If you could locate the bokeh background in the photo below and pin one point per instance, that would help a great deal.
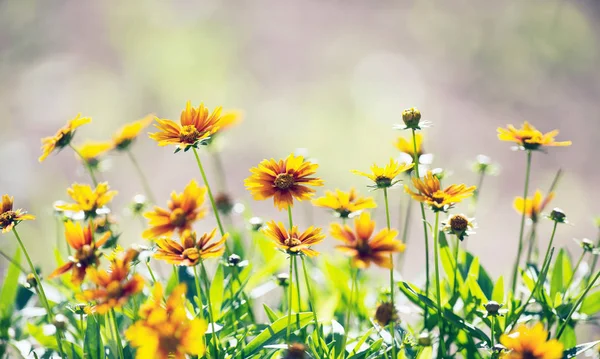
(331, 77)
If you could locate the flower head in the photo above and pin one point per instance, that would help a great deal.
(384, 176)
(182, 210)
(532, 207)
(294, 242)
(365, 247)
(113, 288)
(166, 331)
(9, 217)
(406, 145)
(195, 126)
(86, 254)
(87, 199)
(429, 191)
(125, 135)
(192, 249)
(344, 204)
(90, 151)
(459, 225)
(229, 119)
(386, 313)
(529, 138)
(63, 136)
(531, 343)
(283, 180)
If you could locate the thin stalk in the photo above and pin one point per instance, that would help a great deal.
(42, 293)
(438, 286)
(568, 286)
(210, 310)
(290, 279)
(391, 325)
(405, 226)
(477, 193)
(142, 176)
(521, 230)
(297, 291)
(424, 220)
(577, 303)
(86, 165)
(290, 217)
(8, 258)
(595, 260)
(493, 320)
(82, 330)
(454, 285)
(354, 274)
(151, 272)
(531, 241)
(117, 335)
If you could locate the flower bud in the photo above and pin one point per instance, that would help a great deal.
(424, 339)
(31, 281)
(234, 260)
(79, 308)
(493, 308)
(557, 215)
(587, 245)
(60, 322)
(256, 223)
(411, 118)
(283, 279)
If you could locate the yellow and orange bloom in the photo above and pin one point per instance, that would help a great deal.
(384, 176)
(63, 136)
(532, 207)
(113, 288)
(294, 242)
(87, 199)
(125, 135)
(345, 204)
(229, 119)
(182, 211)
(91, 151)
(86, 255)
(531, 343)
(406, 145)
(9, 218)
(429, 191)
(283, 180)
(529, 138)
(363, 246)
(192, 249)
(166, 331)
(195, 125)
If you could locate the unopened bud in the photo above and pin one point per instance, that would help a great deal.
(493, 308)
(411, 117)
(31, 281)
(424, 339)
(557, 215)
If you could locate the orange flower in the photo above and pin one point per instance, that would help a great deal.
(166, 331)
(384, 176)
(283, 180)
(196, 125)
(363, 246)
(532, 206)
(113, 288)
(87, 199)
(191, 250)
(531, 343)
(125, 135)
(86, 251)
(9, 217)
(293, 242)
(183, 209)
(431, 193)
(63, 137)
(344, 203)
(529, 138)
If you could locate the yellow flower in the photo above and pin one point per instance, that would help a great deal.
(191, 250)
(195, 125)
(283, 180)
(91, 150)
(429, 191)
(63, 137)
(294, 242)
(532, 206)
(166, 331)
(363, 246)
(528, 137)
(406, 145)
(183, 209)
(87, 199)
(125, 135)
(384, 176)
(9, 217)
(531, 343)
(230, 119)
(344, 203)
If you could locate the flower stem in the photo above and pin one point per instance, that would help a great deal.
(297, 291)
(520, 248)
(577, 303)
(151, 272)
(86, 164)
(424, 220)
(354, 274)
(210, 310)
(594, 261)
(456, 249)
(117, 335)
(405, 226)
(392, 323)
(493, 320)
(143, 178)
(42, 293)
(568, 286)
(438, 286)
(290, 281)
(531, 243)
(290, 217)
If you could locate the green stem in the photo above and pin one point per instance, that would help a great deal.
(297, 291)
(531, 243)
(210, 310)
(143, 178)
(405, 226)
(117, 335)
(8, 258)
(521, 230)
(290, 217)
(454, 285)
(568, 286)
(493, 319)
(354, 274)
(392, 323)
(86, 164)
(82, 330)
(438, 286)
(577, 303)
(42, 293)
(595, 260)
(290, 281)
(151, 272)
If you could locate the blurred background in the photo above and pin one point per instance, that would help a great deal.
(331, 77)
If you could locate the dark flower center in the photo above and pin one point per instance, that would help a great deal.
(292, 242)
(459, 223)
(385, 313)
(85, 256)
(189, 134)
(438, 197)
(383, 181)
(114, 290)
(191, 254)
(64, 138)
(295, 351)
(178, 218)
(7, 218)
(169, 344)
(363, 248)
(284, 181)
(529, 355)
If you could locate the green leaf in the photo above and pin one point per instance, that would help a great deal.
(447, 257)
(94, 349)
(276, 331)
(556, 283)
(217, 291)
(498, 292)
(591, 304)
(338, 331)
(426, 353)
(270, 313)
(10, 286)
(576, 350)
(568, 337)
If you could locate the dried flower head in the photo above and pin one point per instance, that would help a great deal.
(529, 138)
(10, 217)
(63, 136)
(224, 203)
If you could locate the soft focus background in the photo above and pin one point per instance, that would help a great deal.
(328, 76)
